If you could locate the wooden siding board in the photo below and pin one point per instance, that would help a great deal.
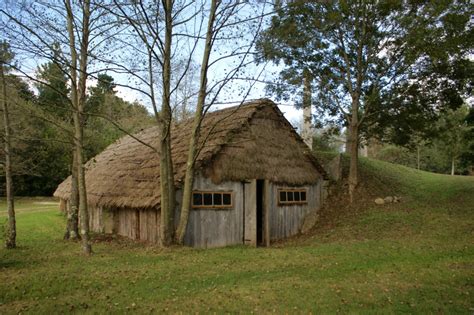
(267, 210)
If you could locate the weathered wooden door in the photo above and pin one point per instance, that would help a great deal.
(250, 213)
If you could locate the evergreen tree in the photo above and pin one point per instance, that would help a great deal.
(53, 90)
(106, 111)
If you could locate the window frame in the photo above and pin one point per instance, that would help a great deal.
(213, 192)
(292, 202)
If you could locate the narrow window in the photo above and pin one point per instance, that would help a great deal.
(212, 200)
(292, 196)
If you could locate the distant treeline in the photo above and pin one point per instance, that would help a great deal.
(41, 145)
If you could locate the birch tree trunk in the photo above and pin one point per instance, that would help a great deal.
(10, 239)
(166, 163)
(193, 142)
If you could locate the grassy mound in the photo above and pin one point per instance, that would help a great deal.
(416, 256)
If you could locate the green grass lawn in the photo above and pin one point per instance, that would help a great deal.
(413, 257)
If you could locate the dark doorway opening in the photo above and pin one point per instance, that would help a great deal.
(260, 231)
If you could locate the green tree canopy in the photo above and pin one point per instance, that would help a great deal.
(359, 53)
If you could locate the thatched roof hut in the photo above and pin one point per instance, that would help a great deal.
(127, 173)
(251, 141)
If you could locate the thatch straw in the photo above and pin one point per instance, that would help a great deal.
(250, 141)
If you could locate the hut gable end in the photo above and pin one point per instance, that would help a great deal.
(267, 147)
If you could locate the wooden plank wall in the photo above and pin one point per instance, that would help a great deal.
(95, 219)
(214, 228)
(286, 221)
(149, 226)
(110, 221)
(137, 224)
(127, 221)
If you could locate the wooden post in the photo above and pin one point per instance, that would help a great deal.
(266, 210)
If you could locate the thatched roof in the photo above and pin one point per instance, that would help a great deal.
(253, 140)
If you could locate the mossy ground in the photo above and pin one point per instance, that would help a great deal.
(416, 256)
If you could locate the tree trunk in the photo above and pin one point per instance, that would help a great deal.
(347, 144)
(166, 162)
(78, 98)
(81, 180)
(354, 147)
(72, 226)
(354, 161)
(452, 166)
(306, 132)
(81, 175)
(189, 178)
(167, 189)
(10, 238)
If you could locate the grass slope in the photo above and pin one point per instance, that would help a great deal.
(413, 257)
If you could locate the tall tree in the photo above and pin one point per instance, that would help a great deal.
(355, 50)
(193, 142)
(83, 31)
(153, 23)
(79, 75)
(53, 97)
(6, 57)
(220, 16)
